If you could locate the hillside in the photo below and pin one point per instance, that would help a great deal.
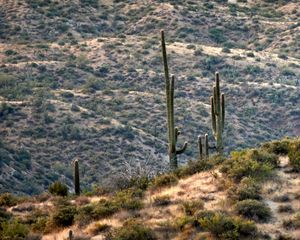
(84, 79)
(254, 194)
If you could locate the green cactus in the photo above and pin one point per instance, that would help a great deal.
(76, 177)
(173, 131)
(203, 147)
(217, 102)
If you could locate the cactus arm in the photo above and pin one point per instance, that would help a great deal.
(206, 146)
(213, 115)
(223, 111)
(200, 147)
(181, 150)
(173, 132)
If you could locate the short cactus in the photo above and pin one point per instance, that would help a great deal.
(173, 131)
(217, 102)
(76, 178)
(203, 147)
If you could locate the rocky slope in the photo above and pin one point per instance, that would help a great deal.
(83, 79)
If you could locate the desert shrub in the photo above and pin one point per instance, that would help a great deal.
(242, 165)
(217, 35)
(292, 223)
(223, 226)
(99, 228)
(133, 230)
(247, 189)
(58, 188)
(104, 208)
(193, 167)
(4, 215)
(294, 155)
(277, 147)
(226, 50)
(191, 207)
(129, 199)
(161, 200)
(254, 210)
(285, 209)
(13, 230)
(250, 54)
(63, 216)
(7, 200)
(164, 180)
(264, 157)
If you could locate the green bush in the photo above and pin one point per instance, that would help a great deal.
(217, 35)
(133, 230)
(13, 231)
(63, 216)
(165, 180)
(7, 200)
(253, 209)
(193, 167)
(223, 226)
(249, 163)
(262, 156)
(162, 200)
(292, 223)
(191, 207)
(247, 189)
(294, 155)
(129, 199)
(104, 208)
(58, 188)
(277, 147)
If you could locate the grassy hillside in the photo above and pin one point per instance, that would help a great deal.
(84, 79)
(254, 194)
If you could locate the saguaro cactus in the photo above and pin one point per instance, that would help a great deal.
(217, 102)
(173, 131)
(203, 147)
(76, 177)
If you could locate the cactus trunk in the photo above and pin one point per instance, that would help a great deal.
(173, 131)
(203, 147)
(217, 102)
(76, 178)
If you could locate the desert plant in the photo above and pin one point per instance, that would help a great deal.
(247, 189)
(63, 216)
(58, 188)
(223, 226)
(13, 230)
(7, 200)
(292, 223)
(173, 131)
(76, 178)
(217, 102)
(242, 165)
(253, 209)
(162, 200)
(164, 180)
(294, 155)
(132, 230)
(191, 207)
(203, 147)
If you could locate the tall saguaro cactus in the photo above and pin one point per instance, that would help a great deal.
(173, 131)
(76, 177)
(217, 102)
(203, 147)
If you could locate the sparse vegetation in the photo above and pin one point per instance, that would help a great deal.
(254, 210)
